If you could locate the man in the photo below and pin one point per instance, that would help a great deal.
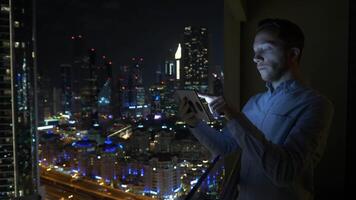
(281, 132)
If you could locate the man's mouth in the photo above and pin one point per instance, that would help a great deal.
(261, 67)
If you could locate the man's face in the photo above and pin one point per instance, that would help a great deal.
(270, 56)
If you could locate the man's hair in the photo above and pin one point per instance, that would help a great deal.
(287, 31)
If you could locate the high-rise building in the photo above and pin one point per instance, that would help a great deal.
(88, 77)
(163, 140)
(158, 97)
(131, 94)
(162, 178)
(139, 142)
(45, 97)
(159, 75)
(79, 72)
(108, 161)
(56, 95)
(178, 57)
(49, 147)
(105, 101)
(135, 82)
(66, 75)
(18, 132)
(105, 106)
(123, 89)
(195, 59)
(106, 92)
(171, 81)
(86, 156)
(140, 95)
(89, 91)
(170, 68)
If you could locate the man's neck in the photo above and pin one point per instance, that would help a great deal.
(289, 75)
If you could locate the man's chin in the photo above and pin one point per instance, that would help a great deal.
(264, 77)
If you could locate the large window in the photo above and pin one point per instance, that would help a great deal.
(107, 75)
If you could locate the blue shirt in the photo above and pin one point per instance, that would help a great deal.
(281, 134)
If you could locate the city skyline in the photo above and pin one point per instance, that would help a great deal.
(97, 123)
(122, 30)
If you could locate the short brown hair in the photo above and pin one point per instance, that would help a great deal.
(290, 33)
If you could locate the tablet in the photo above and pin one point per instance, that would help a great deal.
(199, 107)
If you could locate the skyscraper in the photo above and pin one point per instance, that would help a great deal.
(85, 154)
(66, 75)
(90, 91)
(195, 59)
(79, 72)
(18, 134)
(123, 90)
(135, 82)
(45, 97)
(131, 92)
(178, 57)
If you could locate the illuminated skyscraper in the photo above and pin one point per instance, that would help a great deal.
(178, 57)
(18, 132)
(123, 90)
(45, 97)
(105, 102)
(195, 59)
(158, 97)
(131, 91)
(135, 82)
(89, 91)
(79, 72)
(170, 69)
(66, 75)
(159, 76)
(162, 178)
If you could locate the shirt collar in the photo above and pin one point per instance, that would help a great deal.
(285, 86)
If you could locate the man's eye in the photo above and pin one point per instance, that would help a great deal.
(267, 48)
(261, 50)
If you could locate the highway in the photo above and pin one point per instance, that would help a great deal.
(62, 186)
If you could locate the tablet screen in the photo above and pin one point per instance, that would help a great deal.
(197, 105)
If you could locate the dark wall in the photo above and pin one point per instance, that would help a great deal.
(350, 137)
(324, 66)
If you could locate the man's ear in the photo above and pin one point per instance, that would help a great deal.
(294, 54)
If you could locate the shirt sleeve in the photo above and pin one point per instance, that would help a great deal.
(218, 143)
(283, 163)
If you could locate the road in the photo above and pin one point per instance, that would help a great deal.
(62, 185)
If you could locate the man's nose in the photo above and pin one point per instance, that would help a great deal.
(257, 58)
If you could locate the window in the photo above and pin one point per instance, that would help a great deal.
(16, 24)
(5, 8)
(114, 77)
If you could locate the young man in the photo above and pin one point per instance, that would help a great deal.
(281, 132)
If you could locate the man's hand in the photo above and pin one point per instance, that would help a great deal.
(218, 105)
(187, 114)
(208, 99)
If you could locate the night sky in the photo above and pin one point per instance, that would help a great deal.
(123, 29)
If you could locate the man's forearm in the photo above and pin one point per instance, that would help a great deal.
(218, 143)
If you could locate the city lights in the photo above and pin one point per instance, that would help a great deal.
(104, 130)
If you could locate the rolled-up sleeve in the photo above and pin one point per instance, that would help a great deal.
(304, 143)
(218, 143)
